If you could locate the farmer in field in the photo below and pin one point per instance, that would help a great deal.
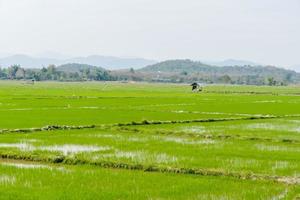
(196, 87)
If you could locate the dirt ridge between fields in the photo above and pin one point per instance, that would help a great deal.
(140, 123)
(151, 168)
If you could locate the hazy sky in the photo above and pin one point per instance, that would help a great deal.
(265, 31)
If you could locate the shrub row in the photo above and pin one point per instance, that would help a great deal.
(146, 122)
(161, 169)
(46, 128)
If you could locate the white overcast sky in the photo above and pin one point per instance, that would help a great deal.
(264, 31)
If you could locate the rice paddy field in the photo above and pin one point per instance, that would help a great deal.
(95, 140)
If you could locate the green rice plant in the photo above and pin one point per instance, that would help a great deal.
(148, 141)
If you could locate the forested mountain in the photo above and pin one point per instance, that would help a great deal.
(187, 70)
(178, 66)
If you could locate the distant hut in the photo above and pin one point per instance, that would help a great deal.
(196, 87)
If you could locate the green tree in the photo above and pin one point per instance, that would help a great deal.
(271, 81)
(20, 74)
(225, 79)
(12, 70)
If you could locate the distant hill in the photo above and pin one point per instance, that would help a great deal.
(110, 62)
(95, 60)
(76, 67)
(176, 66)
(191, 70)
(189, 66)
(27, 61)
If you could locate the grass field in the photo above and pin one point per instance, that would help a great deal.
(98, 140)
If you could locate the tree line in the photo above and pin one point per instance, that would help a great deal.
(81, 72)
(16, 72)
